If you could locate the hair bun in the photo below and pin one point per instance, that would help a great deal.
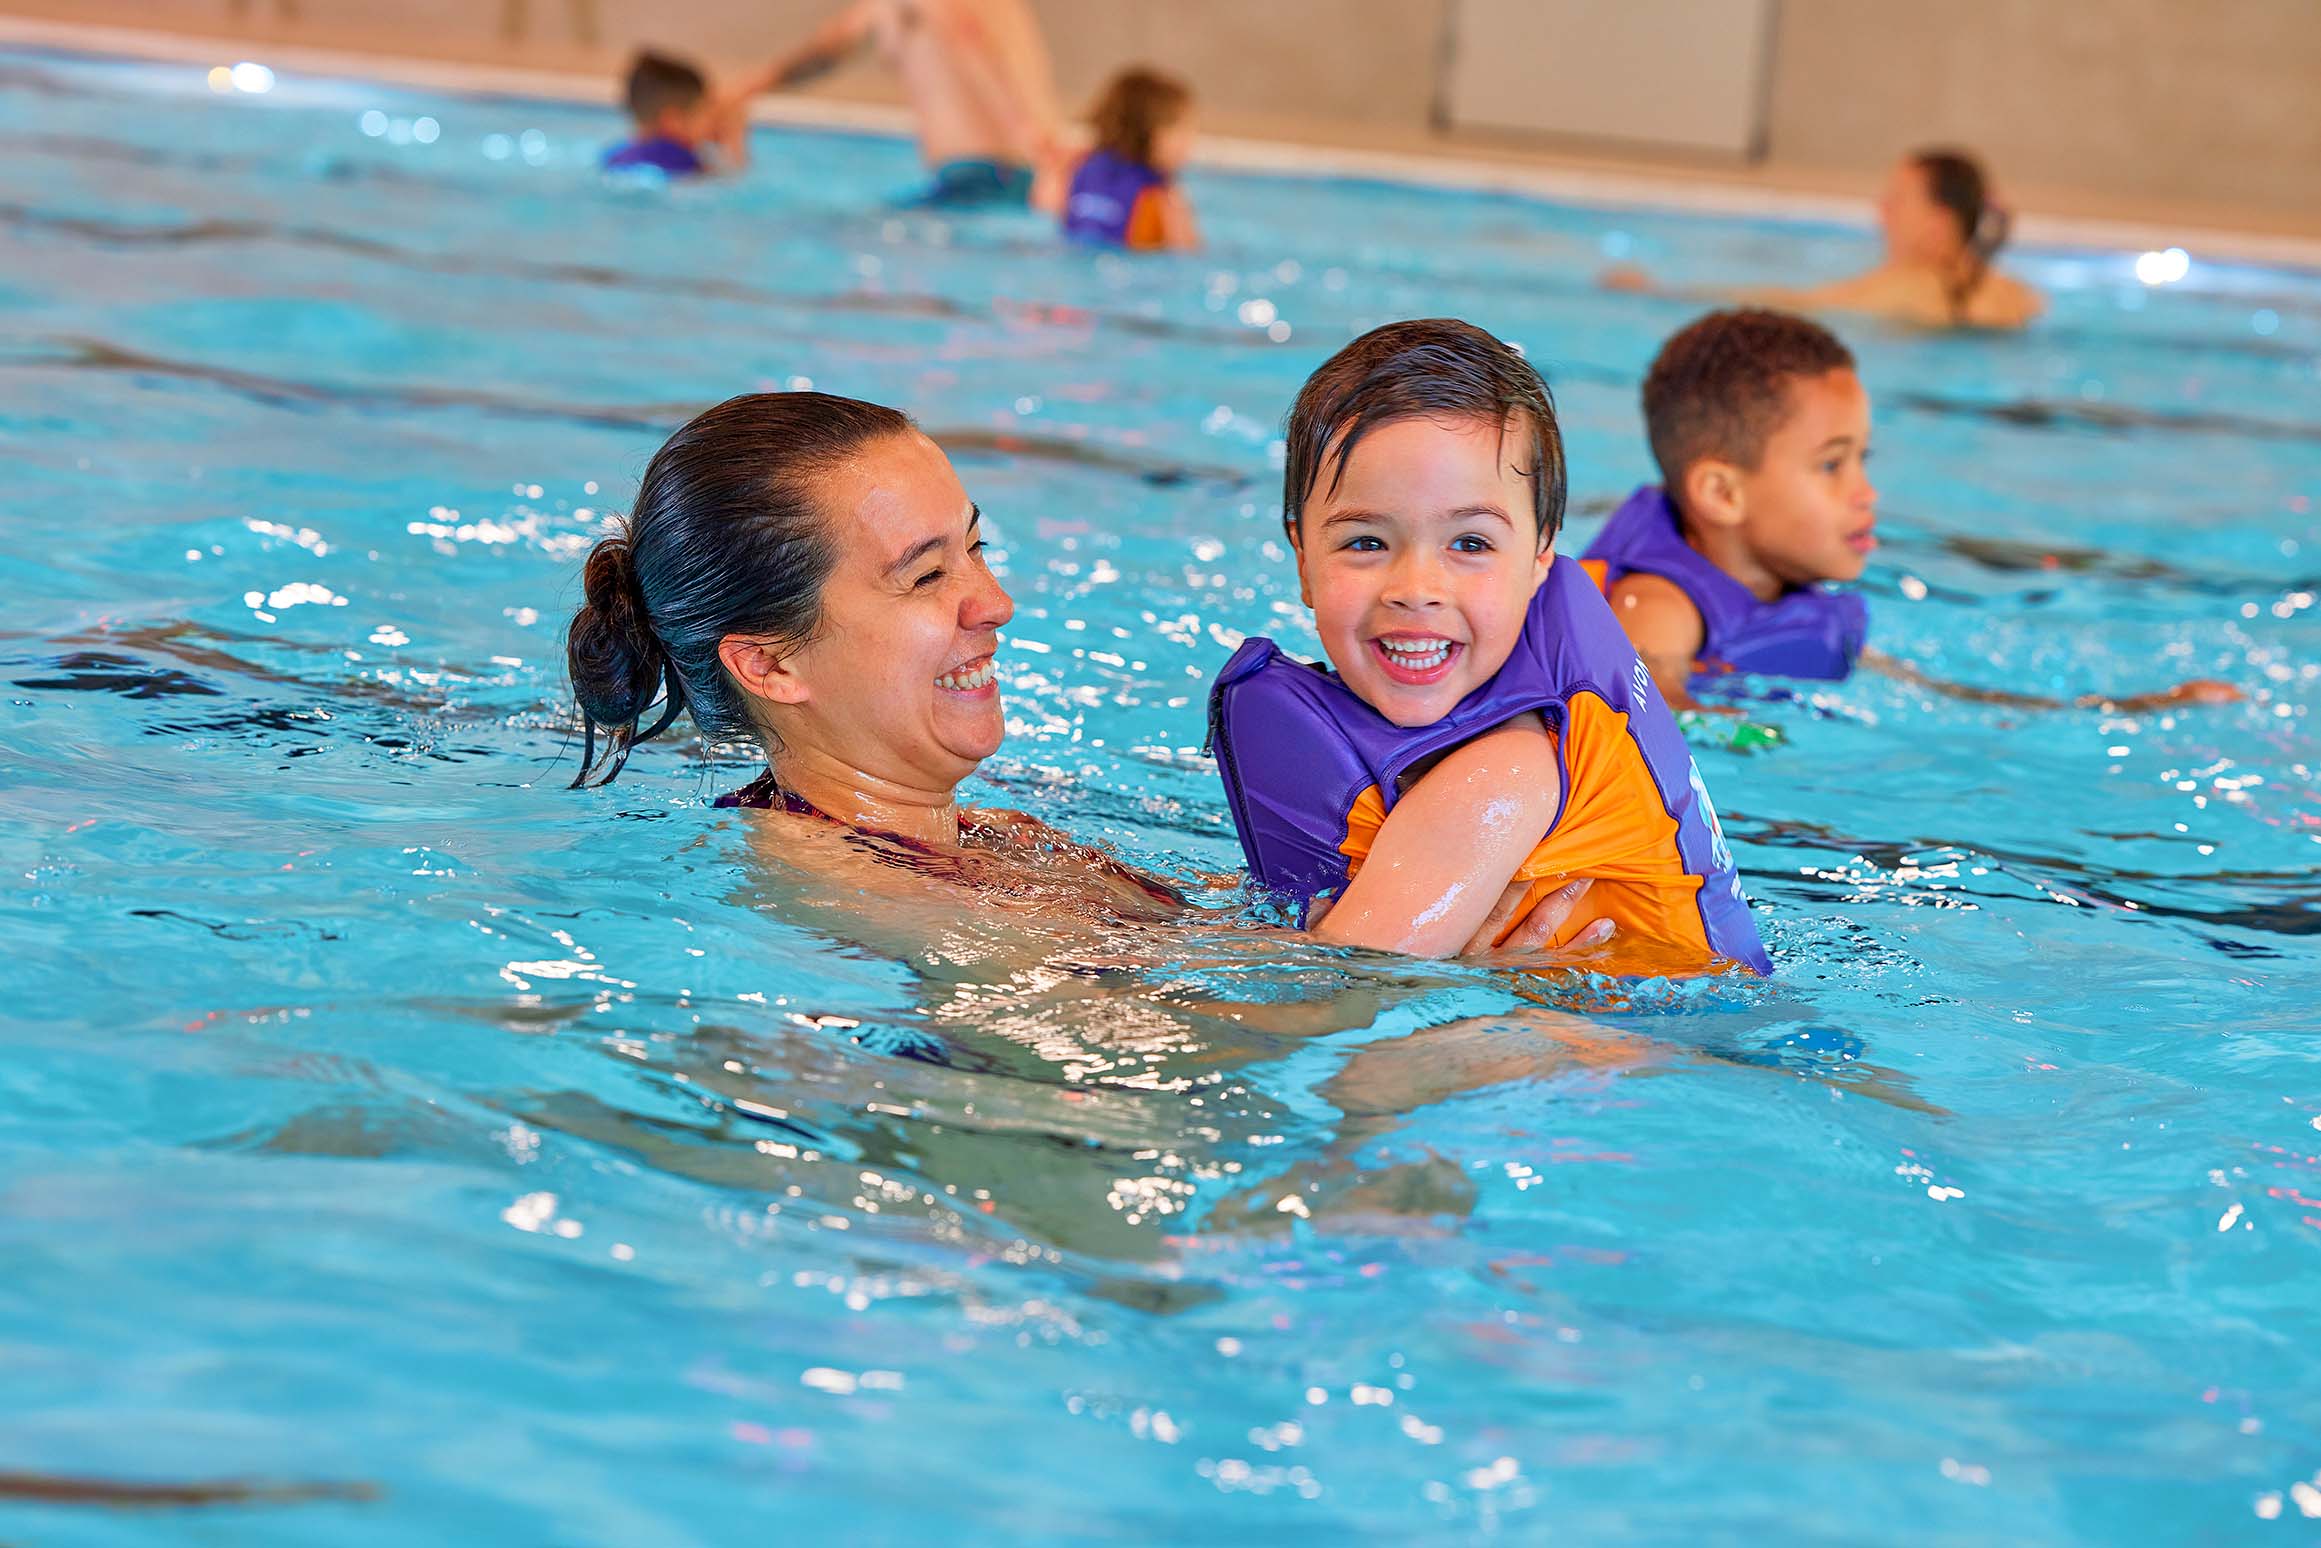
(618, 662)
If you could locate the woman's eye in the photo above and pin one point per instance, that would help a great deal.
(926, 580)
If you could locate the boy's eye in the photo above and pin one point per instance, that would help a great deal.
(1471, 543)
(1365, 545)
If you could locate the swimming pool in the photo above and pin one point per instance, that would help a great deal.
(539, 1167)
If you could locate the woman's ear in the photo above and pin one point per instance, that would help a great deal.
(1713, 494)
(761, 670)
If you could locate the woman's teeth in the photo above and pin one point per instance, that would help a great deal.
(968, 679)
(1417, 655)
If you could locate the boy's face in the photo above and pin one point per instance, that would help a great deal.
(1808, 510)
(1420, 564)
(687, 125)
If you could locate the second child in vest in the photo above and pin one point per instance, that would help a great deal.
(1761, 428)
(1486, 723)
(1124, 193)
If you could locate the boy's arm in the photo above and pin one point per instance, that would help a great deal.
(729, 127)
(2200, 690)
(1452, 843)
(824, 49)
(1666, 629)
(1178, 232)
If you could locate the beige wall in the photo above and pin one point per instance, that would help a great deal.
(2177, 99)
(2214, 102)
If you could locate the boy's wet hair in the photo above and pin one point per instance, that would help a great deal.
(1137, 105)
(658, 83)
(1720, 387)
(1433, 368)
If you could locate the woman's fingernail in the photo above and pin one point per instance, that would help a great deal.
(1574, 889)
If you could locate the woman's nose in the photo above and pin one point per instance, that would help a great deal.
(986, 605)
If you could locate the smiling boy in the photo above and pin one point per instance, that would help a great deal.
(1486, 721)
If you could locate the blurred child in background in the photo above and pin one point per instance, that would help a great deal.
(680, 128)
(1124, 193)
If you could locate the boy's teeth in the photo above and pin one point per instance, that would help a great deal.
(1419, 654)
(969, 680)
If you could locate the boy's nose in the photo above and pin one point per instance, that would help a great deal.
(1415, 582)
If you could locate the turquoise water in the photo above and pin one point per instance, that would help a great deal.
(500, 1164)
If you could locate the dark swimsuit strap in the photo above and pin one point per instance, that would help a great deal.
(764, 794)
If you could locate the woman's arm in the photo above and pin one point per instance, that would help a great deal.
(1451, 845)
(1885, 291)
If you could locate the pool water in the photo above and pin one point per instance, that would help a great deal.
(395, 1147)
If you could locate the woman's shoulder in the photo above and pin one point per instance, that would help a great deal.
(2003, 301)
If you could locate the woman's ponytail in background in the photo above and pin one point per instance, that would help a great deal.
(727, 537)
(1955, 181)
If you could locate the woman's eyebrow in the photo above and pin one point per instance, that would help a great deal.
(926, 546)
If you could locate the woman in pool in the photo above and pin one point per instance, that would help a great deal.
(1942, 229)
(805, 571)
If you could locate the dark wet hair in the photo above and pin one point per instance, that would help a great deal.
(1955, 181)
(727, 537)
(1432, 368)
(658, 83)
(1137, 105)
(1720, 386)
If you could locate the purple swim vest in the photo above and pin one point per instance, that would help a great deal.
(1103, 197)
(1297, 748)
(1812, 632)
(673, 157)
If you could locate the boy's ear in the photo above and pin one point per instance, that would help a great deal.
(761, 670)
(1713, 493)
(1297, 546)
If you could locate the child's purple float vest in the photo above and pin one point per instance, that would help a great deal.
(674, 158)
(1297, 749)
(1103, 197)
(1812, 632)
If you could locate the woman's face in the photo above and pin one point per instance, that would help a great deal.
(899, 681)
(1918, 230)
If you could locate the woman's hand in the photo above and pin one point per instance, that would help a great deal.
(1626, 277)
(1537, 927)
(1531, 936)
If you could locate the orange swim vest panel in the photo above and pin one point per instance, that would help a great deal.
(1613, 828)
(1145, 232)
